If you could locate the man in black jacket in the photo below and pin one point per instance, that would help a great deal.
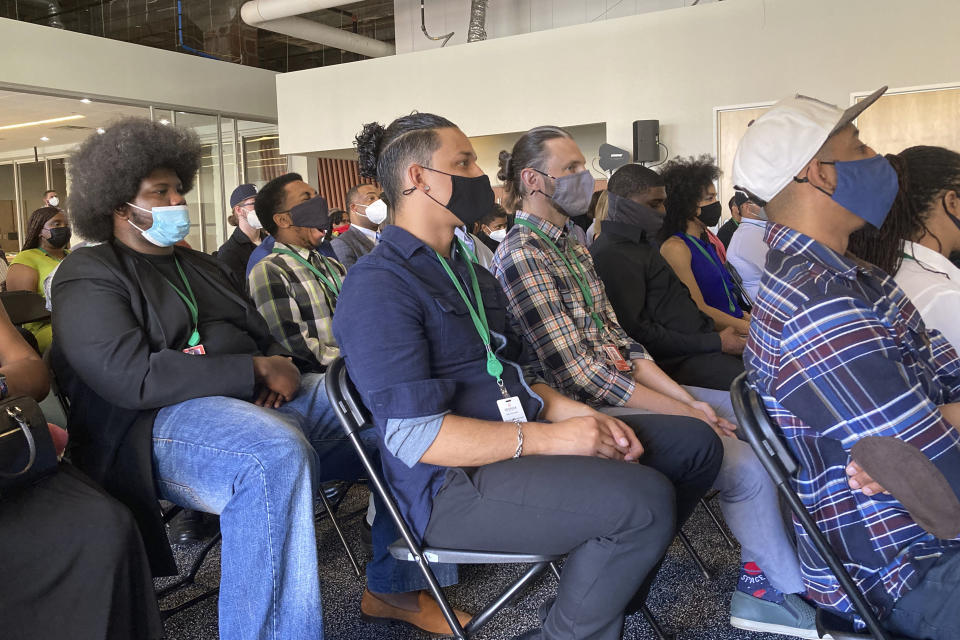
(652, 304)
(178, 392)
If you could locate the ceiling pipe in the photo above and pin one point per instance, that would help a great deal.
(280, 16)
(478, 21)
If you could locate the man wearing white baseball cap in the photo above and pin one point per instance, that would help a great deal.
(861, 390)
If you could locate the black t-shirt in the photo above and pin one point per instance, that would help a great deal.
(222, 322)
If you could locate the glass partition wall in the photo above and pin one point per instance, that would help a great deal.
(233, 152)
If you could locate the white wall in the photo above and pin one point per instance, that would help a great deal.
(46, 60)
(510, 17)
(674, 66)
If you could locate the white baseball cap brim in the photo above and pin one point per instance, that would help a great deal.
(784, 139)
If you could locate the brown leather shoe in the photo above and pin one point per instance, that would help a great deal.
(429, 618)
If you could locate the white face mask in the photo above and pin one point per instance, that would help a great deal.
(54, 201)
(376, 212)
(253, 220)
(498, 235)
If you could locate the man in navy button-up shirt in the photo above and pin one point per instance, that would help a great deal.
(465, 475)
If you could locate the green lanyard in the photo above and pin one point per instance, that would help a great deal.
(723, 281)
(478, 314)
(333, 286)
(191, 301)
(578, 275)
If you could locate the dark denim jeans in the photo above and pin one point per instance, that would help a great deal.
(931, 611)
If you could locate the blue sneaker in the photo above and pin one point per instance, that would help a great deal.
(793, 617)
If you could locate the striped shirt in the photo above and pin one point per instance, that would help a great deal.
(298, 308)
(838, 353)
(554, 319)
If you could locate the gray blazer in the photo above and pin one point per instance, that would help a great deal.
(350, 246)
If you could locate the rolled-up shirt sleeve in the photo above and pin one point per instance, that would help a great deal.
(409, 438)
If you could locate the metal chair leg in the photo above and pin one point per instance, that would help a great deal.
(696, 556)
(657, 629)
(717, 522)
(189, 579)
(555, 570)
(336, 526)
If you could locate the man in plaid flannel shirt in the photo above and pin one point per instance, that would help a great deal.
(840, 356)
(560, 303)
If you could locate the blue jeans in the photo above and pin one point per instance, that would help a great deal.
(931, 610)
(260, 470)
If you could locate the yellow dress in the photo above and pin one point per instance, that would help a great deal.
(41, 262)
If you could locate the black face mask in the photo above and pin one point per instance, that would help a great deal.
(59, 237)
(710, 214)
(470, 199)
(633, 213)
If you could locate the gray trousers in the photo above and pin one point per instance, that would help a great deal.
(613, 519)
(748, 501)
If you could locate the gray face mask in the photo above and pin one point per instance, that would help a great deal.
(633, 213)
(572, 193)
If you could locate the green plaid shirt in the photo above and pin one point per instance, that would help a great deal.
(298, 308)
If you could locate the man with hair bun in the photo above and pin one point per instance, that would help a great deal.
(479, 451)
(177, 390)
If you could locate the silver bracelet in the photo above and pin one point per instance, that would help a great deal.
(519, 451)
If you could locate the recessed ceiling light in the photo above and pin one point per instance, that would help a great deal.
(101, 130)
(20, 125)
(45, 139)
(164, 121)
(86, 100)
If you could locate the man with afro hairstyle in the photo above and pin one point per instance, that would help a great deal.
(177, 390)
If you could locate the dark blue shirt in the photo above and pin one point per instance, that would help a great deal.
(412, 351)
(262, 251)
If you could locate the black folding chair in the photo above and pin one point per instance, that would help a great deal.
(354, 418)
(189, 578)
(24, 306)
(765, 438)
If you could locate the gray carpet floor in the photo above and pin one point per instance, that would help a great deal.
(682, 600)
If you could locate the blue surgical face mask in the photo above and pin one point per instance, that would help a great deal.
(170, 224)
(866, 188)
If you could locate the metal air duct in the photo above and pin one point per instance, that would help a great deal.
(280, 16)
(478, 21)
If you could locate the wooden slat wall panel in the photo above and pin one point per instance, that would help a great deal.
(336, 177)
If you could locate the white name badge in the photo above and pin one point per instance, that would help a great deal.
(511, 410)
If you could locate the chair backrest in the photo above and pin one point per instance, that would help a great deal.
(345, 398)
(24, 306)
(761, 431)
(766, 440)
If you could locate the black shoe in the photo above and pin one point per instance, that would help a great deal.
(366, 536)
(193, 526)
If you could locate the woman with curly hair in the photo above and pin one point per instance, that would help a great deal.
(177, 390)
(920, 232)
(48, 235)
(687, 245)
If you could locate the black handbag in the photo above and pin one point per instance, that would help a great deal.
(26, 448)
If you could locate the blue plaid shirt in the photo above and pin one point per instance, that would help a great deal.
(838, 353)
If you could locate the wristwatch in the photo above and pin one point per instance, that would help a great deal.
(4, 390)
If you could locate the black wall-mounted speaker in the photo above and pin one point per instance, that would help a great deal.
(646, 140)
